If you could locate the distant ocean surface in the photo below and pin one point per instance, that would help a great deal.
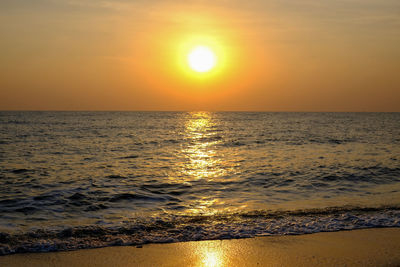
(71, 180)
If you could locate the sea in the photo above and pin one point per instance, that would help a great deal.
(74, 180)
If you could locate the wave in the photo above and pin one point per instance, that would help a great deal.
(200, 227)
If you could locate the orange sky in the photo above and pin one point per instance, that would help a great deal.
(279, 55)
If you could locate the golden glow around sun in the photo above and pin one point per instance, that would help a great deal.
(201, 59)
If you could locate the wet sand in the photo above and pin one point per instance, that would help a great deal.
(368, 247)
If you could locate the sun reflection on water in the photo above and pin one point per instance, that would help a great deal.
(203, 161)
(211, 259)
(210, 254)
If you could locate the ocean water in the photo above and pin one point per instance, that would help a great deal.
(71, 180)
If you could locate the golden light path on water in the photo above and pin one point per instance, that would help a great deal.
(203, 162)
(203, 159)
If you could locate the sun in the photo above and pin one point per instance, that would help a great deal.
(201, 59)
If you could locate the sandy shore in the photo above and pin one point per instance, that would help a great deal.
(369, 247)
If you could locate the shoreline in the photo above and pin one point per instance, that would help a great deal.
(363, 247)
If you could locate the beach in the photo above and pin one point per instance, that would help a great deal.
(365, 247)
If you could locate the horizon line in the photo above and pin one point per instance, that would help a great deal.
(254, 111)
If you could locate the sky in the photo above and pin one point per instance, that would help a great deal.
(272, 55)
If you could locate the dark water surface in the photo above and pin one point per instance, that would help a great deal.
(73, 180)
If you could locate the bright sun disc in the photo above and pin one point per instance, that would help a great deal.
(201, 59)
